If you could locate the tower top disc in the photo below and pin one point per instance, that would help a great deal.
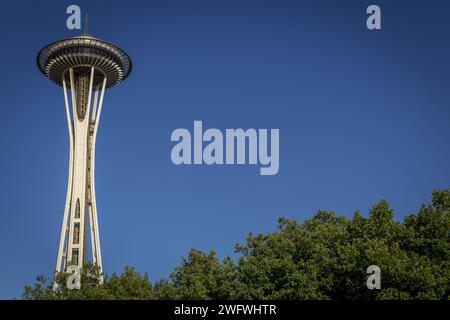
(81, 53)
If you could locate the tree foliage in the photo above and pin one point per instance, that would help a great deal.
(325, 257)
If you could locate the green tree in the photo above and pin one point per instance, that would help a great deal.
(325, 257)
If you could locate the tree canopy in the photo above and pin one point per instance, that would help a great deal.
(325, 257)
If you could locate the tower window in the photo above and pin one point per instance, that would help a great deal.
(74, 256)
(77, 210)
(76, 233)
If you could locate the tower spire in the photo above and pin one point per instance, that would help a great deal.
(86, 30)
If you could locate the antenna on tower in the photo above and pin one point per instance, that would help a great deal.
(86, 25)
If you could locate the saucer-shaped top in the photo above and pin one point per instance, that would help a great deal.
(81, 52)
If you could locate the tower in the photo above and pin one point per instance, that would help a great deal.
(84, 66)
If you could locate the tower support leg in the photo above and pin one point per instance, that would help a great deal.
(80, 212)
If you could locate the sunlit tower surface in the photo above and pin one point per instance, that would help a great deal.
(84, 66)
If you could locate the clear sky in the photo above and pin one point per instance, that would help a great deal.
(363, 116)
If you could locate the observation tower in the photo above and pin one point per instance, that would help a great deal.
(84, 66)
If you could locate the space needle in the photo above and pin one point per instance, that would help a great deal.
(84, 66)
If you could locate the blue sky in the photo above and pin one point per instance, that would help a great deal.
(363, 116)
